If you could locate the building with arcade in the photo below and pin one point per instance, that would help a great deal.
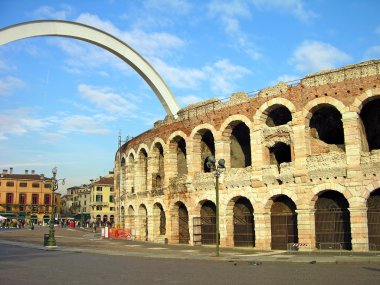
(301, 166)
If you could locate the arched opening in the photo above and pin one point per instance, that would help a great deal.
(207, 146)
(122, 217)
(332, 221)
(131, 173)
(98, 219)
(183, 224)
(33, 219)
(143, 221)
(131, 220)
(122, 175)
(178, 147)
(240, 147)
(105, 218)
(373, 218)
(326, 125)
(46, 219)
(208, 223)
(283, 222)
(280, 153)
(157, 167)
(160, 220)
(278, 115)
(244, 226)
(112, 219)
(143, 170)
(370, 116)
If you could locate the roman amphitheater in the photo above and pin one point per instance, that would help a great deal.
(301, 166)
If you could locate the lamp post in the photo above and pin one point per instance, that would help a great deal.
(51, 239)
(217, 171)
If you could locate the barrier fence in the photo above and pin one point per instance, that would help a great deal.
(337, 247)
(121, 234)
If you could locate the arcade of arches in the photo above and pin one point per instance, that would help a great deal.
(301, 166)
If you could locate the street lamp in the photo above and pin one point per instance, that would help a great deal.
(50, 242)
(217, 171)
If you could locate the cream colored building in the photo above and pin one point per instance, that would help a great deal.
(102, 199)
(301, 167)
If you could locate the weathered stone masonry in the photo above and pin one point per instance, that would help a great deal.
(302, 166)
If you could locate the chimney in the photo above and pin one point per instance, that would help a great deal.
(5, 171)
(10, 170)
(33, 172)
(26, 171)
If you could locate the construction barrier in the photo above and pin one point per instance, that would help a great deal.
(121, 234)
(297, 246)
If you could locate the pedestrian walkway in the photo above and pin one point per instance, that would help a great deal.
(83, 240)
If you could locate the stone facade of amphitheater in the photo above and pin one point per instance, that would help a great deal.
(302, 166)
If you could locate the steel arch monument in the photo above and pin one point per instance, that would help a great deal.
(101, 39)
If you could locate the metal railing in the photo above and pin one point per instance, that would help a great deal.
(340, 248)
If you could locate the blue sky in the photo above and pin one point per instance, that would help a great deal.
(63, 101)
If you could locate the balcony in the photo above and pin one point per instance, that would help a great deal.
(99, 203)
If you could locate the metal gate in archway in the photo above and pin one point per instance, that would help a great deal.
(204, 230)
(283, 223)
(373, 219)
(183, 225)
(332, 222)
(244, 227)
(204, 227)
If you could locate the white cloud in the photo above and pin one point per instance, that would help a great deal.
(222, 76)
(105, 99)
(313, 56)
(373, 53)
(20, 121)
(48, 12)
(84, 57)
(8, 84)
(83, 125)
(230, 14)
(185, 78)
(295, 7)
(148, 44)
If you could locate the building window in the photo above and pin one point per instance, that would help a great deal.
(47, 199)
(99, 188)
(35, 185)
(22, 198)
(98, 208)
(111, 198)
(99, 198)
(10, 184)
(9, 198)
(34, 199)
(112, 208)
(23, 184)
(111, 189)
(47, 185)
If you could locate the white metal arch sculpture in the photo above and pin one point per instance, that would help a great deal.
(101, 39)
